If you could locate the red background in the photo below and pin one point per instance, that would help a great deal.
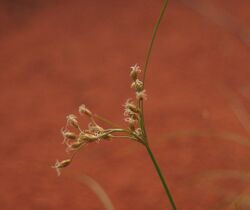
(56, 55)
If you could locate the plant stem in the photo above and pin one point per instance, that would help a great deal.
(164, 183)
(158, 22)
(153, 39)
(142, 123)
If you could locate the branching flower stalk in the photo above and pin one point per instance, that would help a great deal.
(75, 137)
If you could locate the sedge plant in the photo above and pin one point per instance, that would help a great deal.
(76, 137)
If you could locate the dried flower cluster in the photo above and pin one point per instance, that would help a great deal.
(78, 138)
(132, 111)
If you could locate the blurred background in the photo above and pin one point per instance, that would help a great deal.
(56, 55)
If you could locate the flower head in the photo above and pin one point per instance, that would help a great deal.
(138, 132)
(141, 95)
(94, 128)
(67, 135)
(95, 133)
(131, 122)
(74, 146)
(135, 70)
(130, 108)
(72, 120)
(84, 110)
(59, 165)
(137, 85)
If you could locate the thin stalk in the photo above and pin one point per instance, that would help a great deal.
(132, 135)
(164, 183)
(153, 39)
(158, 22)
(142, 122)
(105, 120)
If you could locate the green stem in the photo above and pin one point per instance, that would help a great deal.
(153, 39)
(164, 183)
(142, 122)
(147, 62)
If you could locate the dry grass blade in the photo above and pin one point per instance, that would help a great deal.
(238, 109)
(98, 190)
(226, 174)
(220, 17)
(245, 91)
(232, 198)
(210, 134)
(242, 202)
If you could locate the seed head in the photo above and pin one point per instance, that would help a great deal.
(59, 165)
(137, 85)
(84, 110)
(74, 146)
(131, 121)
(86, 137)
(141, 95)
(69, 135)
(135, 70)
(94, 128)
(72, 120)
(130, 108)
(138, 132)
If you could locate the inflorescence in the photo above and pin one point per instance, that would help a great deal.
(76, 138)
